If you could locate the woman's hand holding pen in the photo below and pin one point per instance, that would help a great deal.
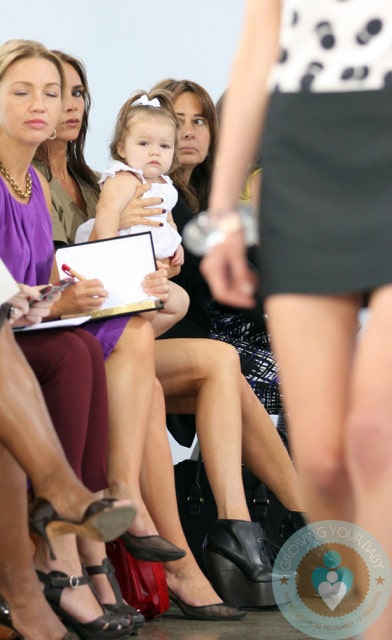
(83, 297)
(28, 308)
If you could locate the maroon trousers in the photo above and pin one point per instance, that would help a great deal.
(69, 366)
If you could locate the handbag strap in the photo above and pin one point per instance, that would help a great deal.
(195, 496)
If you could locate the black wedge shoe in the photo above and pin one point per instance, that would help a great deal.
(238, 565)
(109, 626)
(120, 606)
(151, 548)
(102, 521)
(6, 621)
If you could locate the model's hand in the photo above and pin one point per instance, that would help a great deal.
(226, 270)
(137, 209)
(157, 283)
(83, 297)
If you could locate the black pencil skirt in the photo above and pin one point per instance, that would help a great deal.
(326, 212)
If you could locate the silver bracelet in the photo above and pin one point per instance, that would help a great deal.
(205, 231)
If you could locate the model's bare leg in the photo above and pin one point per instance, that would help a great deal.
(313, 339)
(368, 434)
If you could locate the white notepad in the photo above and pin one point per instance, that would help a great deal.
(8, 286)
(54, 324)
(121, 264)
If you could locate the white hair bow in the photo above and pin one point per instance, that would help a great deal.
(145, 102)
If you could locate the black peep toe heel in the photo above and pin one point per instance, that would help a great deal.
(102, 521)
(238, 565)
(6, 621)
(120, 606)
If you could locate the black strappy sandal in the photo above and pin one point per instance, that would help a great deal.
(108, 626)
(120, 607)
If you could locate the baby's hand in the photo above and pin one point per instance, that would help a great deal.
(177, 260)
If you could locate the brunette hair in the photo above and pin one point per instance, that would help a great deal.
(76, 161)
(197, 191)
(131, 109)
(18, 49)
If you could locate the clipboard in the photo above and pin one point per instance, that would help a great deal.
(121, 264)
(8, 286)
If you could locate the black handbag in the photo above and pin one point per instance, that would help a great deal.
(197, 509)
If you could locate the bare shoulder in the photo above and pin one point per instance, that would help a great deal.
(116, 192)
(123, 180)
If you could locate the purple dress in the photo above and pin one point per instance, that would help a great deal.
(26, 247)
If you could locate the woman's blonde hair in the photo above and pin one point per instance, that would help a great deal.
(129, 111)
(14, 50)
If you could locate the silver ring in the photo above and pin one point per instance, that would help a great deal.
(13, 312)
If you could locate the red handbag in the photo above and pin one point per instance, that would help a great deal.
(143, 584)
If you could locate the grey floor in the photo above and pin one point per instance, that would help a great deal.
(263, 625)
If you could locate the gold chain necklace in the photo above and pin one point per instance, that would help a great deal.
(29, 185)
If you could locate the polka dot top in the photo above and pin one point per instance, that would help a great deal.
(334, 45)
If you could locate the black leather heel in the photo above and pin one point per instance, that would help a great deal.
(102, 521)
(233, 585)
(238, 565)
(151, 548)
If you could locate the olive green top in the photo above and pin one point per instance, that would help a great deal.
(66, 215)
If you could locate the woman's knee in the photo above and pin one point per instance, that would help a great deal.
(92, 346)
(323, 470)
(368, 441)
(224, 357)
(58, 355)
(138, 338)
